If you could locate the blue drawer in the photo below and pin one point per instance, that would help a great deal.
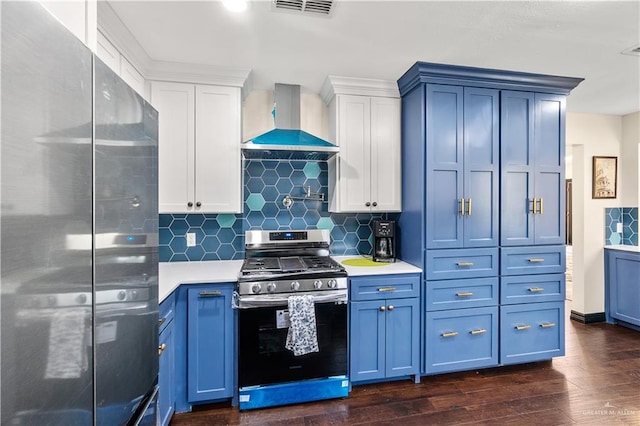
(469, 293)
(461, 339)
(531, 332)
(532, 288)
(384, 287)
(461, 263)
(532, 260)
(167, 311)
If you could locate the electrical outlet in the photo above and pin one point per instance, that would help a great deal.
(619, 227)
(191, 239)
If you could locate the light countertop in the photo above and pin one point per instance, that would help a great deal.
(173, 274)
(635, 249)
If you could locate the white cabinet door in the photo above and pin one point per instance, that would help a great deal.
(386, 176)
(354, 160)
(367, 169)
(131, 76)
(108, 53)
(175, 103)
(218, 161)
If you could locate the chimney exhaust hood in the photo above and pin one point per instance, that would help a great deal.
(287, 141)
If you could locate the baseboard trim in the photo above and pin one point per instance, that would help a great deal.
(588, 318)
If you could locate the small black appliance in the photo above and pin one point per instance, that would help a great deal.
(384, 241)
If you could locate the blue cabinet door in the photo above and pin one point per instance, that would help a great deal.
(166, 375)
(532, 158)
(517, 174)
(367, 340)
(481, 163)
(444, 166)
(623, 286)
(210, 343)
(549, 169)
(402, 320)
(462, 160)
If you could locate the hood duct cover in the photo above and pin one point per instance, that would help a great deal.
(287, 141)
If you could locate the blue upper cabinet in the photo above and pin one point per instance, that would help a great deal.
(532, 134)
(462, 166)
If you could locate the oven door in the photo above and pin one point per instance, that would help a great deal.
(263, 358)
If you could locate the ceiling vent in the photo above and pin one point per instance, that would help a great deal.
(635, 50)
(321, 7)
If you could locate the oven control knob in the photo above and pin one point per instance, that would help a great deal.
(271, 287)
(295, 285)
(256, 288)
(332, 283)
(317, 284)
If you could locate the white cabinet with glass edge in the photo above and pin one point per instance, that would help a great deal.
(364, 121)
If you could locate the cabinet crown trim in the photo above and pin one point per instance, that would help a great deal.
(337, 85)
(425, 72)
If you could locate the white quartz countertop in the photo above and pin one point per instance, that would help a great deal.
(635, 249)
(397, 267)
(173, 274)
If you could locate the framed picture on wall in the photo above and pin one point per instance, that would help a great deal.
(605, 177)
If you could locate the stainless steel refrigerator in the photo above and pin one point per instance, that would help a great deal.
(79, 232)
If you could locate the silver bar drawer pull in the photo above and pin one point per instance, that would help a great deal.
(464, 263)
(464, 294)
(536, 260)
(386, 289)
(161, 321)
(210, 294)
(450, 334)
(548, 325)
(522, 327)
(536, 289)
(480, 331)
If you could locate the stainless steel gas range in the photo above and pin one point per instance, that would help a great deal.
(279, 267)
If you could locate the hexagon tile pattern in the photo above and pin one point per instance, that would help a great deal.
(266, 182)
(628, 216)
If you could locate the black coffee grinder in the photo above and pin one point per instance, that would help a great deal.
(384, 241)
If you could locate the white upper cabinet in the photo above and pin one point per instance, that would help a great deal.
(200, 164)
(110, 55)
(364, 121)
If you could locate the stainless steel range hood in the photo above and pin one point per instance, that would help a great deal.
(287, 141)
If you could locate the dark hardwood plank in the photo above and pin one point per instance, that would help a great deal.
(596, 383)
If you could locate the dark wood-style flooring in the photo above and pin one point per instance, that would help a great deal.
(596, 383)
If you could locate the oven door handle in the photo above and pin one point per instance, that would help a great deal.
(266, 300)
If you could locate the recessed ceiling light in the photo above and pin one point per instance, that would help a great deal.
(235, 5)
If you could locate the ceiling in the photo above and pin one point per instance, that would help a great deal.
(382, 39)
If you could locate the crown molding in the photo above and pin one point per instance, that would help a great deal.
(110, 24)
(337, 85)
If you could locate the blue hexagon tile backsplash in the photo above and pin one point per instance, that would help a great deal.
(628, 217)
(266, 183)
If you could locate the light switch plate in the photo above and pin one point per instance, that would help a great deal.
(191, 239)
(619, 227)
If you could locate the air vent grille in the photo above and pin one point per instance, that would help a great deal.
(322, 7)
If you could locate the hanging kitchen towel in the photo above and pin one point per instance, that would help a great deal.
(67, 357)
(302, 337)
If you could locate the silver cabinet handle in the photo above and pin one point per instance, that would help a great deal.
(548, 325)
(449, 334)
(210, 294)
(475, 332)
(464, 264)
(522, 327)
(536, 289)
(386, 289)
(464, 294)
(390, 307)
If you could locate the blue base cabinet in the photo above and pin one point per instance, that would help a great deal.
(384, 327)
(210, 342)
(531, 332)
(166, 353)
(622, 287)
(461, 339)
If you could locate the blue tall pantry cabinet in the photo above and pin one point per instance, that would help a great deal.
(483, 212)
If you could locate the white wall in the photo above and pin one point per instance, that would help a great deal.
(589, 135)
(630, 161)
(257, 118)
